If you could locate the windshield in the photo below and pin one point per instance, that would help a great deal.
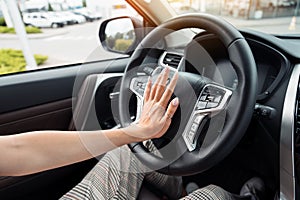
(278, 17)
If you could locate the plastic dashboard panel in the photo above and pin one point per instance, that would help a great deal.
(272, 65)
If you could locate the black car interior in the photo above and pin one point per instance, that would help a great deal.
(62, 99)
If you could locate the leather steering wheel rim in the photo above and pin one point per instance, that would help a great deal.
(241, 109)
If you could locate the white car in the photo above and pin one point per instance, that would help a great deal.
(70, 17)
(89, 15)
(43, 20)
(78, 19)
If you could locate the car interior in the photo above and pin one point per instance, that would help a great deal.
(248, 127)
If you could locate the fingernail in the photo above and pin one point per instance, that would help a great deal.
(175, 101)
(149, 79)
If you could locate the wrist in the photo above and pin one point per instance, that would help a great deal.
(129, 137)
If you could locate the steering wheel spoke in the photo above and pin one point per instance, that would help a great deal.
(138, 86)
(212, 100)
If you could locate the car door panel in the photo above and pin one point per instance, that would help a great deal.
(28, 89)
(43, 100)
(55, 116)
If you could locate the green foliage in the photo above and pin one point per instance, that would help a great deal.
(4, 29)
(13, 61)
(50, 7)
(32, 29)
(2, 21)
(110, 42)
(83, 3)
(122, 45)
(119, 35)
(29, 30)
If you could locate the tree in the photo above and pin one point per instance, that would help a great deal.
(131, 34)
(119, 35)
(110, 42)
(83, 3)
(50, 7)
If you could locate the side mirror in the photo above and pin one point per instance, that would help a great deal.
(121, 34)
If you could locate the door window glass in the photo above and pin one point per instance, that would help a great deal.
(66, 32)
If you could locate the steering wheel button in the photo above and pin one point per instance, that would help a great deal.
(197, 119)
(194, 127)
(140, 91)
(203, 97)
(211, 105)
(140, 84)
(218, 99)
(191, 136)
(210, 98)
(201, 105)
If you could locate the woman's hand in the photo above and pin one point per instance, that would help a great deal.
(156, 113)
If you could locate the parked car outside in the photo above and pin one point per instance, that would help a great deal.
(43, 20)
(69, 17)
(89, 16)
(77, 19)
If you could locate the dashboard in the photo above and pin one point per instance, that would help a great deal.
(277, 109)
(207, 56)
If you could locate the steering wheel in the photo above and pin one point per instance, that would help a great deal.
(191, 148)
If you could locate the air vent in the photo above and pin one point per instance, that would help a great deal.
(172, 59)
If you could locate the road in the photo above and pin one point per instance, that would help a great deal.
(80, 43)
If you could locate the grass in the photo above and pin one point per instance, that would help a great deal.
(12, 61)
(2, 21)
(122, 44)
(29, 30)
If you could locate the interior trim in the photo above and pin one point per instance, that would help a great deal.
(20, 115)
(287, 172)
(24, 90)
(54, 115)
(89, 101)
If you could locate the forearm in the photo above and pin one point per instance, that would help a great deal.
(38, 151)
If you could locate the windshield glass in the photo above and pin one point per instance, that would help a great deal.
(271, 16)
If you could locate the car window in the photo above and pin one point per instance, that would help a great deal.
(278, 17)
(58, 34)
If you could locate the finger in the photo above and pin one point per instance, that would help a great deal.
(173, 105)
(162, 84)
(154, 87)
(148, 89)
(169, 91)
